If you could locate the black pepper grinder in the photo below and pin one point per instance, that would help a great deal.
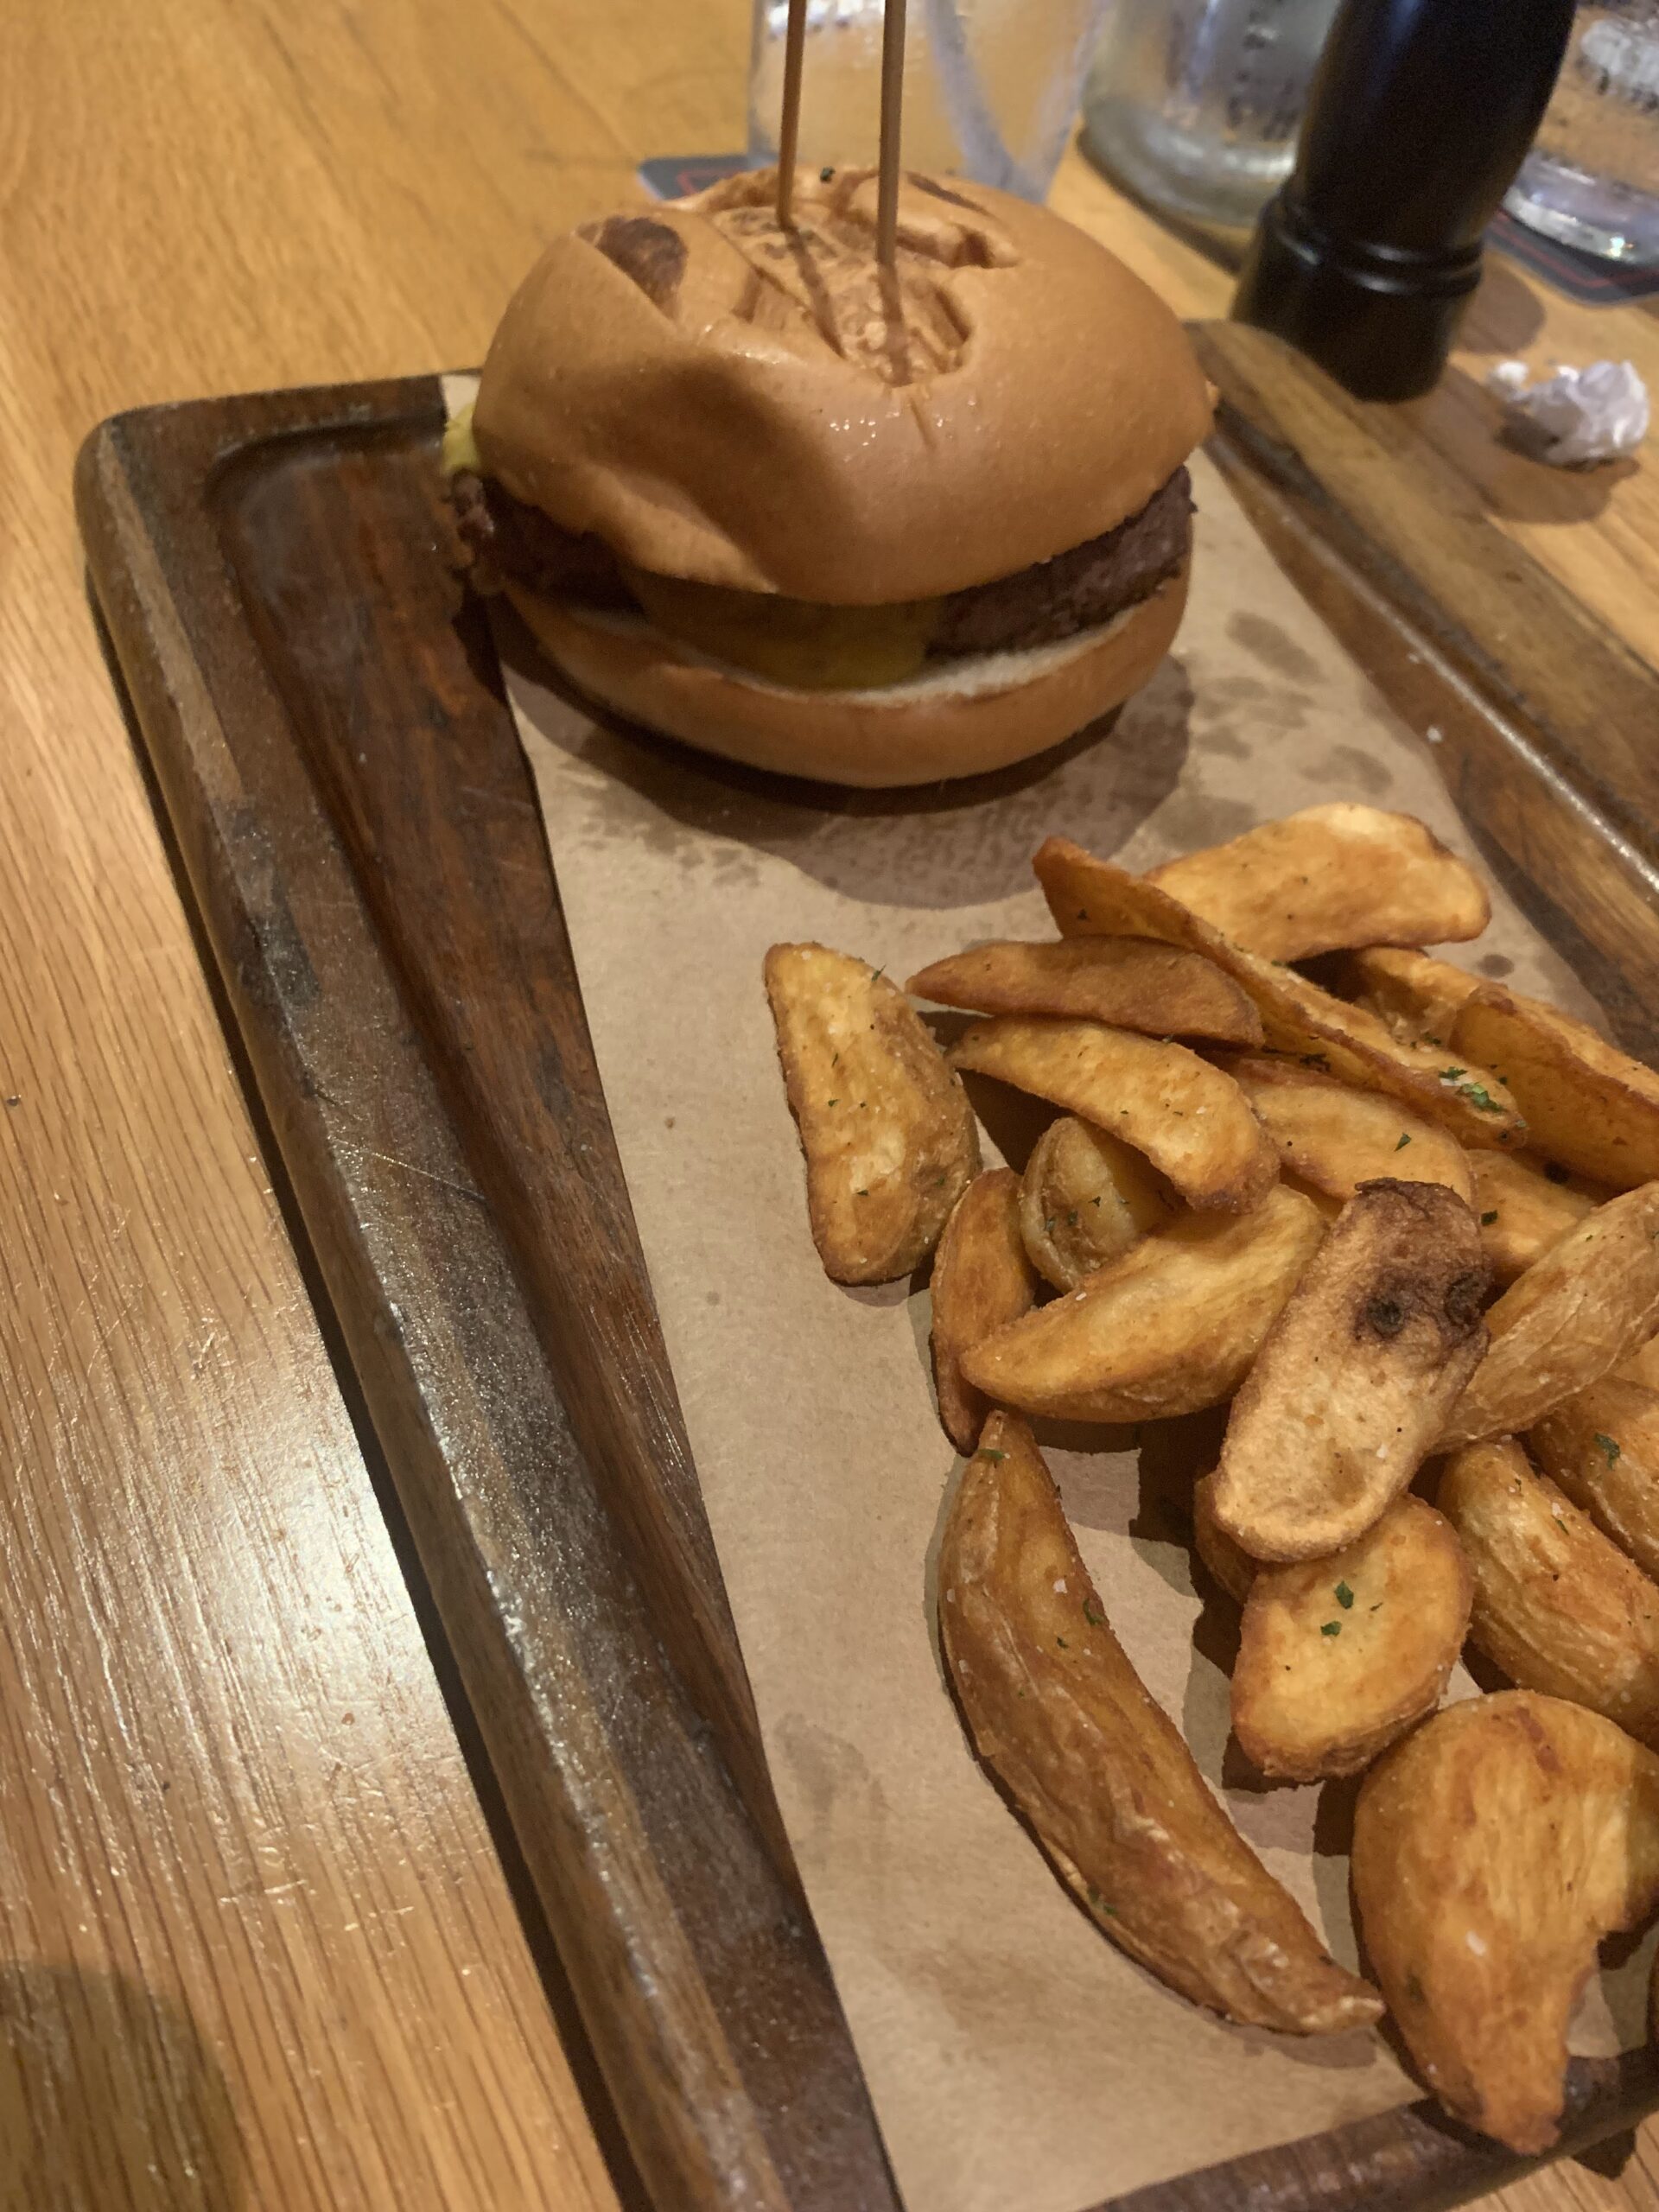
(1419, 116)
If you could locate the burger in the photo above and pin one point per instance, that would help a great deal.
(877, 525)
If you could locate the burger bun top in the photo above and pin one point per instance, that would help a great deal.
(721, 400)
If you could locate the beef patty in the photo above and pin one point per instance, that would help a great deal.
(1077, 590)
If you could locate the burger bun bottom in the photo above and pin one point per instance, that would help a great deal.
(962, 718)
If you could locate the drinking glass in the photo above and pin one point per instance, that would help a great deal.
(1195, 104)
(991, 87)
(1592, 179)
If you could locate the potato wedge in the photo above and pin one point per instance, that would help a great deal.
(1190, 1120)
(1357, 1376)
(1493, 1850)
(981, 1280)
(1587, 1104)
(1329, 877)
(1642, 1365)
(1523, 1210)
(1229, 1565)
(1338, 1656)
(1085, 1198)
(1127, 980)
(1336, 1138)
(1060, 1716)
(1169, 1328)
(1572, 1317)
(1602, 1448)
(890, 1140)
(1558, 1607)
(1091, 898)
(1417, 997)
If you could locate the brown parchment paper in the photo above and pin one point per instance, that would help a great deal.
(1017, 2062)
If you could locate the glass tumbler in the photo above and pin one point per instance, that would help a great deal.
(1592, 179)
(1195, 104)
(991, 87)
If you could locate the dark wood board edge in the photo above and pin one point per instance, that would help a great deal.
(700, 1979)
(1412, 2159)
(1394, 2159)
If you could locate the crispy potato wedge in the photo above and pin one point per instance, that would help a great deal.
(1572, 1317)
(1357, 1376)
(1587, 1103)
(1493, 1850)
(1558, 1607)
(1329, 877)
(1602, 1448)
(1085, 1198)
(1169, 1328)
(1338, 1656)
(1523, 1210)
(1091, 898)
(1060, 1716)
(1417, 997)
(1335, 1138)
(1229, 1566)
(1127, 980)
(1190, 1120)
(982, 1280)
(890, 1140)
(1642, 1365)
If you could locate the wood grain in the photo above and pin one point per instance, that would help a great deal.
(255, 1947)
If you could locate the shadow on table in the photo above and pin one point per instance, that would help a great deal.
(109, 2097)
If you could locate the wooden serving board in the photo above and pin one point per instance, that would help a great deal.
(351, 805)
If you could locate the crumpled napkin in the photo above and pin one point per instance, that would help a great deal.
(1577, 416)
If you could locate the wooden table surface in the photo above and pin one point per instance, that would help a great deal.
(259, 1951)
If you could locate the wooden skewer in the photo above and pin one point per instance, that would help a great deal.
(893, 101)
(789, 129)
